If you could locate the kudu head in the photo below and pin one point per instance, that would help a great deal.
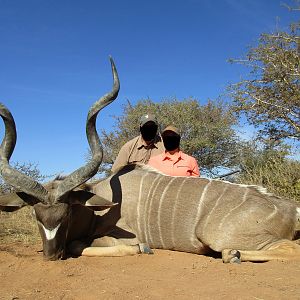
(52, 202)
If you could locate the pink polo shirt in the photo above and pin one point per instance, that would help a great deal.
(178, 164)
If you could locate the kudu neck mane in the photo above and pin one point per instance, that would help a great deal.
(146, 168)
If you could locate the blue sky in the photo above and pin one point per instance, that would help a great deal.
(54, 62)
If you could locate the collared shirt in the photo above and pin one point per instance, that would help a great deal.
(137, 151)
(178, 164)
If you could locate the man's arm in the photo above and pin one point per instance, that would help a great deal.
(121, 159)
(195, 168)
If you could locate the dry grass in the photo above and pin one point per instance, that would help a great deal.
(18, 226)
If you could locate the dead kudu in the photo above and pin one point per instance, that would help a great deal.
(58, 205)
(144, 207)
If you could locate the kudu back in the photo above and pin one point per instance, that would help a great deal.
(198, 215)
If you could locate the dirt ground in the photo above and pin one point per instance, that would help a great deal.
(165, 275)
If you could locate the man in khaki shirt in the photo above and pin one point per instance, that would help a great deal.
(142, 147)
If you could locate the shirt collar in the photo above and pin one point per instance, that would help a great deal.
(176, 156)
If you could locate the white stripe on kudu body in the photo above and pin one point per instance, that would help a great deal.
(150, 238)
(145, 234)
(202, 197)
(159, 211)
(244, 198)
(217, 203)
(138, 209)
(273, 214)
(173, 213)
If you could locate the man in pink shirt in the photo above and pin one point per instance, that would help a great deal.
(173, 161)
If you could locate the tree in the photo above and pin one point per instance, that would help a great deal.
(270, 96)
(269, 167)
(206, 130)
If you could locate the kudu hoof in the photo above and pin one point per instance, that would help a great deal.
(144, 248)
(231, 256)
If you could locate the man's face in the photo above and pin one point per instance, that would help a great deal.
(171, 140)
(149, 131)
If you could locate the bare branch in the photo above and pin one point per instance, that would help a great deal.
(290, 8)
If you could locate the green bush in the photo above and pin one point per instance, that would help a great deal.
(271, 169)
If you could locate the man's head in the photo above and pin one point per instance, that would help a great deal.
(148, 127)
(171, 138)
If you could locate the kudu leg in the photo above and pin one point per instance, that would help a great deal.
(119, 250)
(80, 249)
(281, 250)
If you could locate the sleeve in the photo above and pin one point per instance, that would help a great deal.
(122, 158)
(194, 167)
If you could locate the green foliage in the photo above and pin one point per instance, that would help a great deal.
(270, 168)
(270, 96)
(206, 130)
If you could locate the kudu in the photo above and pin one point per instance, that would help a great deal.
(58, 205)
(144, 207)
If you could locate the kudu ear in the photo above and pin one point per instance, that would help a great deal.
(90, 200)
(14, 201)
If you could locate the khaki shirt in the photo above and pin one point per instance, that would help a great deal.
(137, 151)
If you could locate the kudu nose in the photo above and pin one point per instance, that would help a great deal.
(55, 256)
